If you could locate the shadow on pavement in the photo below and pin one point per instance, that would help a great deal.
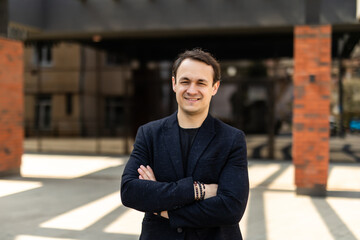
(335, 225)
(26, 211)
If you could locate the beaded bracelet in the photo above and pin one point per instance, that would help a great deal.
(199, 191)
(203, 193)
(197, 198)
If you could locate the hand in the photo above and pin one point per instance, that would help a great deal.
(164, 214)
(210, 190)
(146, 173)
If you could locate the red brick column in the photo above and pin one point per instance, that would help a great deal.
(11, 106)
(311, 108)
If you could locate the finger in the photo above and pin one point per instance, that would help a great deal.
(151, 172)
(140, 177)
(143, 174)
(146, 171)
(150, 169)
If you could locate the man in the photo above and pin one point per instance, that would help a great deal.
(188, 172)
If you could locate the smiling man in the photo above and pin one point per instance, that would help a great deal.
(188, 172)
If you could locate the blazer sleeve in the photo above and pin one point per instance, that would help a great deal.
(151, 196)
(228, 207)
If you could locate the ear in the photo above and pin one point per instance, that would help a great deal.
(173, 84)
(216, 87)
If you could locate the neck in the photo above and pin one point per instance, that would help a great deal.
(191, 121)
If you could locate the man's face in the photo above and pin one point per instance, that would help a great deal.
(194, 87)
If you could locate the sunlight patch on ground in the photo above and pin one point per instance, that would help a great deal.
(347, 210)
(275, 219)
(8, 187)
(86, 215)
(58, 166)
(285, 181)
(28, 237)
(259, 172)
(122, 226)
(349, 175)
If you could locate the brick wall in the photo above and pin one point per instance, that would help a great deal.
(11, 106)
(311, 108)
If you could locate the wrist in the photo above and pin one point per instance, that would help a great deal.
(199, 191)
(204, 191)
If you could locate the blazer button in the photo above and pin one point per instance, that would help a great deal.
(179, 230)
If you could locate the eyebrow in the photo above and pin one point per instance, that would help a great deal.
(202, 80)
(188, 79)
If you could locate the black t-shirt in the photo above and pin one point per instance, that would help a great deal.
(187, 136)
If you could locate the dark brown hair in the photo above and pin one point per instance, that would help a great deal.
(198, 55)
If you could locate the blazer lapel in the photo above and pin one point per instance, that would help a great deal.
(203, 138)
(172, 142)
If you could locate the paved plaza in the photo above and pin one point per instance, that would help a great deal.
(69, 197)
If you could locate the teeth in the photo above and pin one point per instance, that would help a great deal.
(192, 99)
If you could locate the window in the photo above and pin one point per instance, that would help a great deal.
(115, 112)
(114, 59)
(69, 103)
(43, 55)
(43, 112)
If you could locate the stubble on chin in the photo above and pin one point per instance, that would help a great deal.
(192, 112)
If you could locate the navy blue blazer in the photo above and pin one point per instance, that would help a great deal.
(218, 155)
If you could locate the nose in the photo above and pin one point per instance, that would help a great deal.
(191, 89)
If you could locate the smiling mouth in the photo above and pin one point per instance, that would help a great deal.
(192, 99)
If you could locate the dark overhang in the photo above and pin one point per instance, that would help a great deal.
(155, 30)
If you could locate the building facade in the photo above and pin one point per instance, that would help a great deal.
(144, 36)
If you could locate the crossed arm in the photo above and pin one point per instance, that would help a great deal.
(224, 204)
(146, 173)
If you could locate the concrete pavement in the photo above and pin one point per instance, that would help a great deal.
(77, 197)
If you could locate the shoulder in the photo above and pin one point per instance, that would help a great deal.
(157, 125)
(225, 129)
(233, 137)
